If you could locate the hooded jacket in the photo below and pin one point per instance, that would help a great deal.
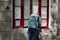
(34, 20)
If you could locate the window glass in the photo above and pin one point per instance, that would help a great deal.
(43, 12)
(17, 13)
(17, 23)
(17, 2)
(25, 22)
(35, 6)
(43, 22)
(43, 2)
(26, 9)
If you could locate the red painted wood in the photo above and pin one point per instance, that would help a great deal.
(43, 6)
(39, 7)
(22, 13)
(48, 13)
(13, 14)
(30, 7)
(44, 27)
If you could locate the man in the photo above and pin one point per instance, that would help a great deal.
(33, 26)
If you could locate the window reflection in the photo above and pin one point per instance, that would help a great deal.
(17, 22)
(44, 23)
(17, 13)
(26, 9)
(25, 22)
(35, 6)
(43, 2)
(43, 12)
(17, 2)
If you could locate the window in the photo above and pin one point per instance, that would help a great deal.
(44, 13)
(24, 8)
(17, 13)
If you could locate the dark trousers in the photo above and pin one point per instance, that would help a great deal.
(31, 32)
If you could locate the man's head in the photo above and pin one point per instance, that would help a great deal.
(36, 13)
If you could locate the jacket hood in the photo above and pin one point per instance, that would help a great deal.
(34, 14)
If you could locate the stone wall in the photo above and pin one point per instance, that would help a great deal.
(6, 19)
(6, 26)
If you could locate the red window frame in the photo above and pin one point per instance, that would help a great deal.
(22, 13)
(47, 26)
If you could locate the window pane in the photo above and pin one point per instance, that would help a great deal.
(25, 22)
(17, 2)
(43, 22)
(17, 23)
(17, 13)
(35, 6)
(44, 2)
(26, 9)
(43, 12)
(35, 2)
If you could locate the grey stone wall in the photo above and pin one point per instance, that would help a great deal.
(5, 19)
(58, 32)
(6, 26)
